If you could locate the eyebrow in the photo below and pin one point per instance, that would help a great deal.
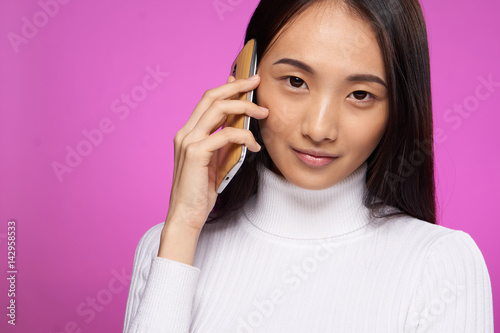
(296, 63)
(351, 78)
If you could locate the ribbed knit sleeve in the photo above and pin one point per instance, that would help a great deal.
(161, 290)
(454, 290)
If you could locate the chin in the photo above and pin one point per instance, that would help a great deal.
(309, 179)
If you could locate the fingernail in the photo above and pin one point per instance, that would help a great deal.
(264, 109)
(254, 77)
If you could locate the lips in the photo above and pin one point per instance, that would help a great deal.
(315, 153)
(314, 158)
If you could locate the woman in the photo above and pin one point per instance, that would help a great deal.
(329, 226)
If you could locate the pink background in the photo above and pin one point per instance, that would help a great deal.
(76, 235)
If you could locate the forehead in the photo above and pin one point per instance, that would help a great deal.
(329, 37)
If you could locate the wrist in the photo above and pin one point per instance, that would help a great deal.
(178, 226)
(178, 242)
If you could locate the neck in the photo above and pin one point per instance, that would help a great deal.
(285, 210)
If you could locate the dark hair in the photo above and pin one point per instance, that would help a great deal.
(400, 171)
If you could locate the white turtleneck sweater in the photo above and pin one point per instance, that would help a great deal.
(298, 260)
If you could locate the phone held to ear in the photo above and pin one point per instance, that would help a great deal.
(231, 157)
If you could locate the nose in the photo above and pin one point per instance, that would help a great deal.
(321, 120)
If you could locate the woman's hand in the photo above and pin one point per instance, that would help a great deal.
(193, 193)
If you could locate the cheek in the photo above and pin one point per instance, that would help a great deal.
(276, 126)
(282, 117)
(366, 135)
(381, 123)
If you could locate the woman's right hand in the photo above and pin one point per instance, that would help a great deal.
(193, 193)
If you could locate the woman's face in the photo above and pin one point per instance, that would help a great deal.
(323, 82)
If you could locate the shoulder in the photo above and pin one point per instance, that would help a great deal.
(453, 287)
(152, 233)
(149, 243)
(437, 243)
(423, 232)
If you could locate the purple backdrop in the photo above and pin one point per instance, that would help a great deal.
(91, 96)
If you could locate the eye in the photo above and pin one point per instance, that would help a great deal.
(361, 96)
(295, 81)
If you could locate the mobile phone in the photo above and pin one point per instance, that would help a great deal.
(231, 157)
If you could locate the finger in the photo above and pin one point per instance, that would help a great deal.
(203, 150)
(232, 88)
(217, 114)
(223, 92)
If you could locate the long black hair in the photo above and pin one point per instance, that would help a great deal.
(400, 171)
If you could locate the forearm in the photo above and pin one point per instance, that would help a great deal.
(178, 242)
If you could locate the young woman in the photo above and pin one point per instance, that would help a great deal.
(329, 226)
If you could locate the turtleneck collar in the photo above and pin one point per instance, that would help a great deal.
(285, 210)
